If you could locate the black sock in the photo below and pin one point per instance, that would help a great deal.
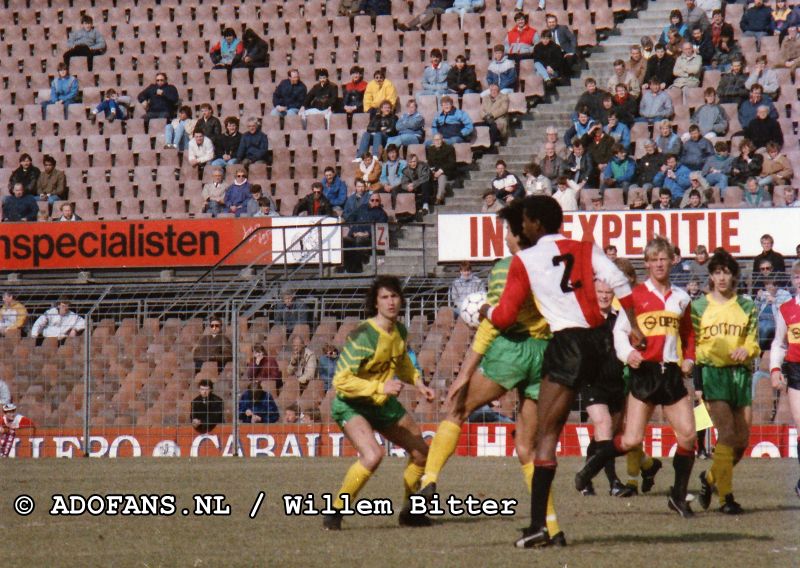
(701, 441)
(682, 463)
(605, 451)
(591, 449)
(611, 471)
(542, 480)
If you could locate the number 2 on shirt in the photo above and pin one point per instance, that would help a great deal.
(569, 261)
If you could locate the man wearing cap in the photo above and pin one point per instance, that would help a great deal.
(9, 424)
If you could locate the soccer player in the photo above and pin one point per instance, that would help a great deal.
(366, 398)
(508, 360)
(726, 326)
(560, 272)
(656, 374)
(10, 422)
(787, 331)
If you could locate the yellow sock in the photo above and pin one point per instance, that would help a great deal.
(527, 473)
(552, 519)
(633, 460)
(647, 461)
(710, 476)
(443, 446)
(411, 478)
(354, 480)
(722, 470)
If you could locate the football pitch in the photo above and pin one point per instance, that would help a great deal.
(601, 530)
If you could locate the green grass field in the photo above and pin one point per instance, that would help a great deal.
(602, 531)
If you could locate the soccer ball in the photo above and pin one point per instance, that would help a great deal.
(470, 306)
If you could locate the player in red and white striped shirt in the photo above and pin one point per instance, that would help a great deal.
(656, 373)
(786, 347)
(10, 422)
(560, 272)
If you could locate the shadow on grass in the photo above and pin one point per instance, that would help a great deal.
(683, 538)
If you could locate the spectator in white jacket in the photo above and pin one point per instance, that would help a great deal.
(201, 152)
(60, 322)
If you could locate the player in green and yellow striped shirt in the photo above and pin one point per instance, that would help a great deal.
(726, 328)
(366, 397)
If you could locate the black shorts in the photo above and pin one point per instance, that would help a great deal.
(575, 356)
(606, 394)
(792, 375)
(657, 384)
(697, 377)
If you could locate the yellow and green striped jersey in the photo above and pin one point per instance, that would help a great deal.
(370, 358)
(722, 328)
(529, 321)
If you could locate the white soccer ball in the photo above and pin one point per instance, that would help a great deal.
(470, 306)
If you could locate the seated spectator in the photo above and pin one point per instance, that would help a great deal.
(648, 165)
(764, 129)
(213, 345)
(731, 87)
(441, 158)
(63, 91)
(551, 136)
(581, 126)
(579, 168)
(368, 170)
(378, 90)
(596, 203)
(238, 194)
(160, 99)
(718, 26)
(178, 131)
(208, 410)
(424, 21)
(790, 198)
(777, 169)
(51, 186)
(710, 118)
(253, 208)
(757, 22)
(501, 72)
(677, 24)
(600, 146)
(717, 168)
(664, 199)
(321, 98)
(59, 321)
(762, 75)
(494, 111)
(749, 107)
(769, 296)
(315, 204)
(375, 7)
(263, 367)
(618, 131)
(453, 124)
(467, 283)
(254, 145)
(434, 77)
(674, 177)
(726, 52)
(620, 171)
(327, 365)
(780, 16)
(656, 105)
(201, 152)
(85, 42)
(461, 78)
(701, 42)
(746, 165)
(359, 197)
(257, 406)
(68, 213)
(667, 141)
(360, 235)
(551, 163)
(214, 194)
(13, 316)
(392, 170)
(659, 67)
(228, 51)
(694, 16)
(698, 267)
(521, 38)
(693, 201)
(416, 179)
(674, 46)
(625, 77)
(266, 208)
(410, 127)
(563, 38)
(334, 189)
(592, 97)
(789, 55)
(292, 311)
(507, 186)
(566, 195)
(637, 62)
(20, 206)
(769, 254)
(607, 106)
(289, 96)
(637, 201)
(255, 51)
(111, 107)
(696, 150)
(688, 68)
(26, 173)
(227, 145)
(382, 125)
(548, 59)
(698, 185)
(490, 202)
(348, 7)
(353, 92)
(208, 124)
(756, 195)
(535, 182)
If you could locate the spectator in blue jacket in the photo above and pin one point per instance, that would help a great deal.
(434, 77)
(502, 72)
(581, 126)
(334, 189)
(618, 130)
(290, 95)
(392, 170)
(356, 199)
(238, 194)
(111, 108)
(257, 406)
(696, 150)
(620, 170)
(749, 107)
(410, 127)
(20, 206)
(360, 235)
(254, 145)
(160, 99)
(757, 21)
(63, 91)
(674, 177)
(452, 123)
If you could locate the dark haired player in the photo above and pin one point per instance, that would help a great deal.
(366, 398)
(726, 326)
(560, 272)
